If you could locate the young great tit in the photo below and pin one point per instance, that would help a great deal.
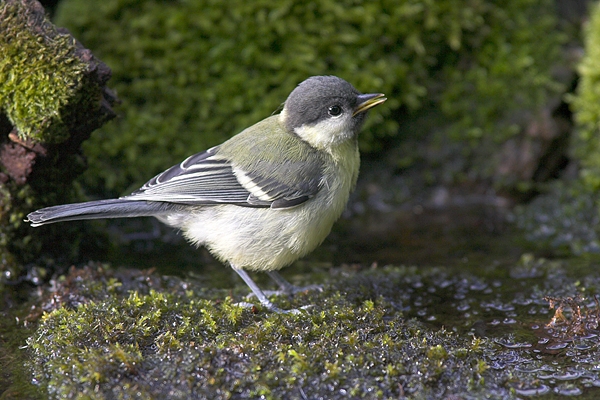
(263, 198)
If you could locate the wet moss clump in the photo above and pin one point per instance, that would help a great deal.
(139, 335)
(472, 330)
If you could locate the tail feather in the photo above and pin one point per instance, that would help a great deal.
(113, 208)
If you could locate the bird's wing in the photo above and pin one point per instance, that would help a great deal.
(207, 178)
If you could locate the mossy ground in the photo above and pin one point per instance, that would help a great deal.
(476, 330)
(167, 337)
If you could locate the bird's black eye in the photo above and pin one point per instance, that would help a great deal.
(335, 111)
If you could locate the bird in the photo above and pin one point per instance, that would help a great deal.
(263, 198)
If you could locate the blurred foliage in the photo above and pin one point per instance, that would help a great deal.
(193, 73)
(506, 76)
(586, 104)
(39, 74)
(566, 218)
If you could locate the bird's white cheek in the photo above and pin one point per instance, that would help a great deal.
(325, 134)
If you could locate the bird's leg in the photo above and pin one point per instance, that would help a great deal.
(259, 293)
(287, 287)
(284, 285)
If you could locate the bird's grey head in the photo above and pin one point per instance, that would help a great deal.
(327, 110)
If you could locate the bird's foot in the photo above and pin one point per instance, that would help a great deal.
(260, 295)
(269, 306)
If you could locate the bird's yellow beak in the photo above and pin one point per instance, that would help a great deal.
(367, 101)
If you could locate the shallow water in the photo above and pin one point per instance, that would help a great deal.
(473, 274)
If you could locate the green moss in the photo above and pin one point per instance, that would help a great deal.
(437, 353)
(51, 91)
(39, 71)
(174, 338)
(192, 74)
(474, 330)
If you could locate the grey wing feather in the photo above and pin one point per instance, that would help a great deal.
(277, 193)
(205, 178)
(200, 179)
